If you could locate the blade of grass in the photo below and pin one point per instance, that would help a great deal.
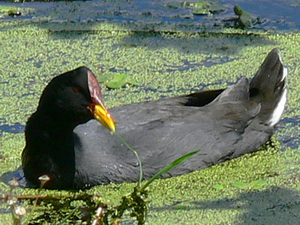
(168, 168)
(68, 216)
(135, 153)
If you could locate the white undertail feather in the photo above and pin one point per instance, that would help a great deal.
(276, 115)
(285, 72)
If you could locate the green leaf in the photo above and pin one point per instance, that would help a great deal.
(257, 184)
(104, 78)
(218, 186)
(201, 4)
(241, 185)
(69, 215)
(118, 77)
(115, 85)
(204, 8)
(116, 80)
(168, 168)
(132, 81)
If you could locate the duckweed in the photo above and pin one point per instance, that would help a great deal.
(163, 64)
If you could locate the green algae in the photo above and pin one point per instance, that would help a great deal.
(192, 197)
(32, 55)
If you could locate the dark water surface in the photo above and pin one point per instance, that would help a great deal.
(272, 14)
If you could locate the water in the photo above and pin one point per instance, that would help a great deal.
(166, 14)
(15, 128)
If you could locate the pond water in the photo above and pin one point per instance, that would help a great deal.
(170, 14)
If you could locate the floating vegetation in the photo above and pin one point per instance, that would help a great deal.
(256, 184)
(245, 19)
(116, 80)
(252, 185)
(204, 8)
(66, 209)
(9, 11)
(198, 8)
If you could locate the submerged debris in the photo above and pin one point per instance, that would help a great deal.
(245, 19)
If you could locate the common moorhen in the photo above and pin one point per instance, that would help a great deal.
(65, 142)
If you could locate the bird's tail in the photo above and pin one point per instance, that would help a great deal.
(268, 88)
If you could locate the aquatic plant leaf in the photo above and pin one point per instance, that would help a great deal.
(169, 167)
(116, 80)
(115, 85)
(201, 4)
(241, 185)
(257, 184)
(104, 78)
(218, 186)
(204, 8)
(132, 81)
(120, 77)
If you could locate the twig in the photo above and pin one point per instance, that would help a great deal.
(99, 213)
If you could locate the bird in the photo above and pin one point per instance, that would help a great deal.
(73, 139)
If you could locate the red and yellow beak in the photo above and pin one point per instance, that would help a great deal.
(101, 114)
(97, 108)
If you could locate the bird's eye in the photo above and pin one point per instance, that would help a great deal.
(76, 89)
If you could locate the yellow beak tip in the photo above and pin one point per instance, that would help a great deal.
(103, 116)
